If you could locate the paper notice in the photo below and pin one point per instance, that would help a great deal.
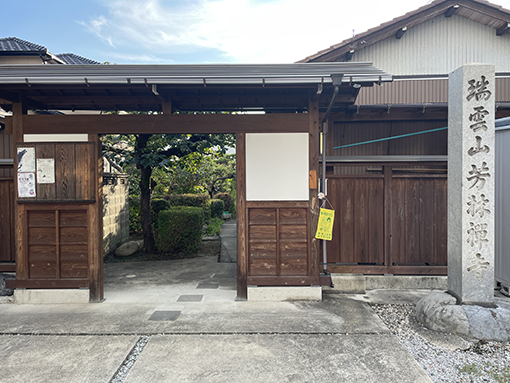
(26, 185)
(26, 160)
(45, 170)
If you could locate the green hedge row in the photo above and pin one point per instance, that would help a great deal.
(230, 205)
(217, 208)
(180, 229)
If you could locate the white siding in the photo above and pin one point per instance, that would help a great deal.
(439, 46)
(502, 256)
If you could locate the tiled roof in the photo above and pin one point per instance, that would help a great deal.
(14, 44)
(73, 59)
(480, 11)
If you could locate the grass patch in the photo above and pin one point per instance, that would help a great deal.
(468, 369)
(500, 376)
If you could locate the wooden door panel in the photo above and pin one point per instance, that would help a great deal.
(278, 246)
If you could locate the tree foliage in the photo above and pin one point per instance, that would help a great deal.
(148, 157)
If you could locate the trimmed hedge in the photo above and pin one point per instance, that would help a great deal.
(217, 208)
(230, 205)
(193, 200)
(180, 229)
(134, 215)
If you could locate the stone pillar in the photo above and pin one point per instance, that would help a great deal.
(471, 132)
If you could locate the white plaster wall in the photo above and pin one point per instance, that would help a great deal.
(277, 167)
(55, 137)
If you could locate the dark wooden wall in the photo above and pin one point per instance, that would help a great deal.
(345, 133)
(6, 146)
(388, 224)
(74, 172)
(59, 229)
(7, 223)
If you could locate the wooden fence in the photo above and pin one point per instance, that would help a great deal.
(388, 223)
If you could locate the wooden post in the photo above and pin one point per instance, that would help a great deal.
(388, 198)
(242, 254)
(314, 138)
(18, 110)
(166, 107)
(96, 278)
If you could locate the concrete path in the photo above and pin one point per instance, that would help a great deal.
(178, 321)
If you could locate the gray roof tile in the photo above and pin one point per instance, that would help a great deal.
(14, 44)
(74, 59)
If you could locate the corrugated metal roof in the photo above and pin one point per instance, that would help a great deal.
(74, 59)
(480, 11)
(191, 74)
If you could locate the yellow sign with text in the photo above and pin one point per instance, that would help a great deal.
(325, 226)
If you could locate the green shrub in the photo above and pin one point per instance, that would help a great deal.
(214, 227)
(134, 215)
(157, 205)
(193, 200)
(230, 205)
(217, 208)
(180, 229)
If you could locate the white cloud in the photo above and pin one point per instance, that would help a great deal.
(248, 31)
(135, 58)
(96, 26)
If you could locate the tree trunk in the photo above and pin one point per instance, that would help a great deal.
(149, 245)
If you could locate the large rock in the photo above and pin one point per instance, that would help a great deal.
(440, 312)
(128, 248)
(3, 290)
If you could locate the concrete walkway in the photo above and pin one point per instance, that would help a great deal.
(178, 321)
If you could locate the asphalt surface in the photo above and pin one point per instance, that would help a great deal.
(179, 321)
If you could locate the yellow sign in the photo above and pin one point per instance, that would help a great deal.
(325, 226)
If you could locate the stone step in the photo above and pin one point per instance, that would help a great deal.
(359, 283)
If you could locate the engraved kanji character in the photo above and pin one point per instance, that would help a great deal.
(478, 175)
(478, 89)
(478, 148)
(477, 234)
(477, 207)
(479, 265)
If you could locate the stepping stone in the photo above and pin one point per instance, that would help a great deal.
(165, 315)
(208, 286)
(190, 298)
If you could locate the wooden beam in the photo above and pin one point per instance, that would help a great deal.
(394, 115)
(503, 29)
(165, 123)
(167, 107)
(20, 239)
(242, 211)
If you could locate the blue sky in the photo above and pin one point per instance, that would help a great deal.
(197, 31)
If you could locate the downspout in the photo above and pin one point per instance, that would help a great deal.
(337, 81)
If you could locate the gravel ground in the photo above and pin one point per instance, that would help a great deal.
(447, 357)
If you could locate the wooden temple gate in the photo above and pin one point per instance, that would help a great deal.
(57, 230)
